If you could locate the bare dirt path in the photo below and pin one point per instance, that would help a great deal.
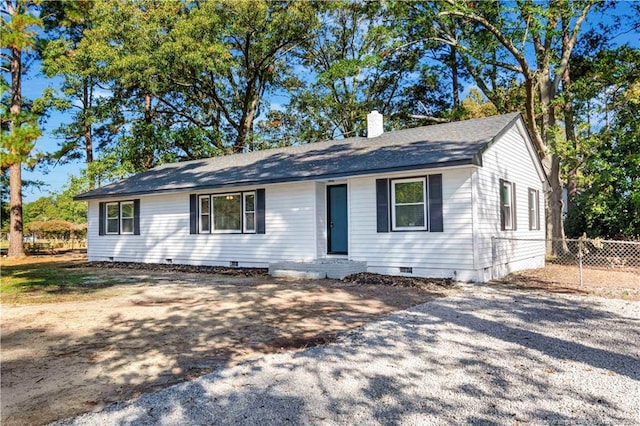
(158, 328)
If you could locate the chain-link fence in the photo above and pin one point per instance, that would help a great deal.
(581, 262)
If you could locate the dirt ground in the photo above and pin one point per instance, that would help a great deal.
(566, 279)
(155, 328)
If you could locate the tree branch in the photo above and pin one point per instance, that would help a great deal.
(564, 61)
(518, 56)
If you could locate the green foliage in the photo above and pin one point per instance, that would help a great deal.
(608, 201)
(19, 141)
(148, 82)
(187, 79)
(60, 206)
(19, 126)
(4, 201)
(351, 66)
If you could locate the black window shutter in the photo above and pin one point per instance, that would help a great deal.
(260, 207)
(435, 203)
(382, 204)
(502, 228)
(515, 203)
(101, 219)
(193, 214)
(136, 217)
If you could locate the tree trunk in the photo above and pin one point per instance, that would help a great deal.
(570, 134)
(245, 128)
(569, 130)
(147, 152)
(16, 236)
(555, 215)
(88, 133)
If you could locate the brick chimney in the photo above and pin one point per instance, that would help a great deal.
(374, 124)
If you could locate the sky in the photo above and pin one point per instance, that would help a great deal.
(56, 176)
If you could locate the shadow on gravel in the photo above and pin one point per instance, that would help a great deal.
(557, 348)
(468, 360)
(198, 407)
(503, 380)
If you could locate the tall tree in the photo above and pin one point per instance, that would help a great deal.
(20, 129)
(536, 40)
(239, 51)
(606, 93)
(118, 51)
(188, 79)
(350, 67)
(65, 24)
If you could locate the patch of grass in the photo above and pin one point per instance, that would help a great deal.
(47, 281)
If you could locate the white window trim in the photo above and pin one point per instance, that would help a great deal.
(393, 204)
(507, 184)
(245, 211)
(107, 217)
(122, 218)
(200, 198)
(225, 231)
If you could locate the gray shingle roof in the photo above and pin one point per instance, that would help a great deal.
(434, 146)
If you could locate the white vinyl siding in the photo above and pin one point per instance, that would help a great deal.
(436, 254)
(295, 223)
(508, 159)
(289, 222)
(321, 219)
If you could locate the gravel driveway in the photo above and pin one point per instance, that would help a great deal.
(484, 356)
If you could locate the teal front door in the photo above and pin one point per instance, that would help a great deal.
(338, 231)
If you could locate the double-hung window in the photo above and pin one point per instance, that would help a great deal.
(126, 217)
(113, 217)
(249, 212)
(507, 205)
(409, 206)
(119, 218)
(534, 210)
(205, 213)
(227, 213)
